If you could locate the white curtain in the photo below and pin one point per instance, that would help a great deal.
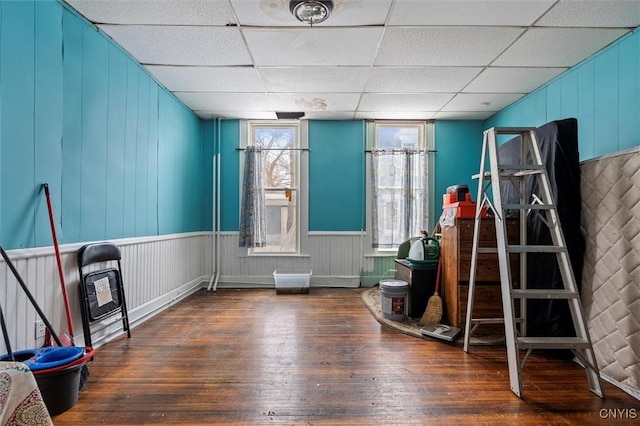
(253, 230)
(399, 208)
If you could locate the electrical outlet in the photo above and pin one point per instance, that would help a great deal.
(40, 329)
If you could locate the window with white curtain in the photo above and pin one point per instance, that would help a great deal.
(282, 144)
(398, 181)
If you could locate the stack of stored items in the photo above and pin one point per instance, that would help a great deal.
(457, 203)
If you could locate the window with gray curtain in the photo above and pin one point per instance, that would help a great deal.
(253, 230)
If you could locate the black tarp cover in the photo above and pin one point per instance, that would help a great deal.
(558, 141)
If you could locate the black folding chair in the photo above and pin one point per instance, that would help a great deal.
(101, 292)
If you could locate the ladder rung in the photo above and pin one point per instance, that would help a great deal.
(521, 167)
(535, 249)
(487, 320)
(544, 294)
(513, 130)
(530, 169)
(487, 250)
(491, 320)
(552, 343)
(528, 206)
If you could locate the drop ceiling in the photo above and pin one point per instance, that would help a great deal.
(372, 59)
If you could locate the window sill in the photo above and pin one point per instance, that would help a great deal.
(249, 256)
(390, 254)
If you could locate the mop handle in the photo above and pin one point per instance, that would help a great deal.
(59, 261)
(7, 343)
(31, 299)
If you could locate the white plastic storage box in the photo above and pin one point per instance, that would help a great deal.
(292, 281)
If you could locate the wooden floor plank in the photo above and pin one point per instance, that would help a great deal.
(248, 357)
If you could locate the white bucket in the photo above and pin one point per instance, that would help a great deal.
(394, 298)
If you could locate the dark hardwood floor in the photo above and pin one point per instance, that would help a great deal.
(254, 357)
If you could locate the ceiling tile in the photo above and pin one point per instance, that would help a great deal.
(557, 47)
(314, 101)
(463, 115)
(345, 13)
(290, 79)
(207, 79)
(329, 115)
(420, 80)
(248, 115)
(313, 46)
(462, 46)
(511, 80)
(593, 13)
(225, 101)
(183, 12)
(394, 115)
(478, 102)
(469, 12)
(403, 102)
(178, 45)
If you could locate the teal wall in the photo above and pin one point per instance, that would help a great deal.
(602, 92)
(121, 155)
(336, 175)
(230, 175)
(458, 150)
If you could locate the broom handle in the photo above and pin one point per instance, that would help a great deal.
(438, 276)
(63, 285)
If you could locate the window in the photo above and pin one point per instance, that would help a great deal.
(281, 146)
(398, 181)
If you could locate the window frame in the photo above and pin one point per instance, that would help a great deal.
(302, 177)
(427, 130)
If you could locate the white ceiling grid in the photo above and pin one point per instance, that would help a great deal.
(372, 59)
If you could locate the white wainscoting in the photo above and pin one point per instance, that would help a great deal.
(157, 272)
(335, 259)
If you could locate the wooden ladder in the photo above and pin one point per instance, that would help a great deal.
(541, 204)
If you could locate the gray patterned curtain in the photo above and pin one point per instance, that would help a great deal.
(253, 231)
(399, 208)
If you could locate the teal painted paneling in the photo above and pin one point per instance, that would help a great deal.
(129, 160)
(72, 128)
(554, 101)
(17, 72)
(117, 111)
(569, 95)
(629, 92)
(179, 186)
(48, 115)
(602, 92)
(458, 146)
(229, 176)
(93, 175)
(336, 175)
(142, 154)
(78, 113)
(153, 172)
(586, 110)
(606, 102)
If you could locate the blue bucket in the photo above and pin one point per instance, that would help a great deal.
(45, 358)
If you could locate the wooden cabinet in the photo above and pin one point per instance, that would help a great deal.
(456, 245)
(422, 283)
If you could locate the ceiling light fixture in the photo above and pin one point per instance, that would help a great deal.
(311, 11)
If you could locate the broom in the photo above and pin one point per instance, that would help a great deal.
(433, 312)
